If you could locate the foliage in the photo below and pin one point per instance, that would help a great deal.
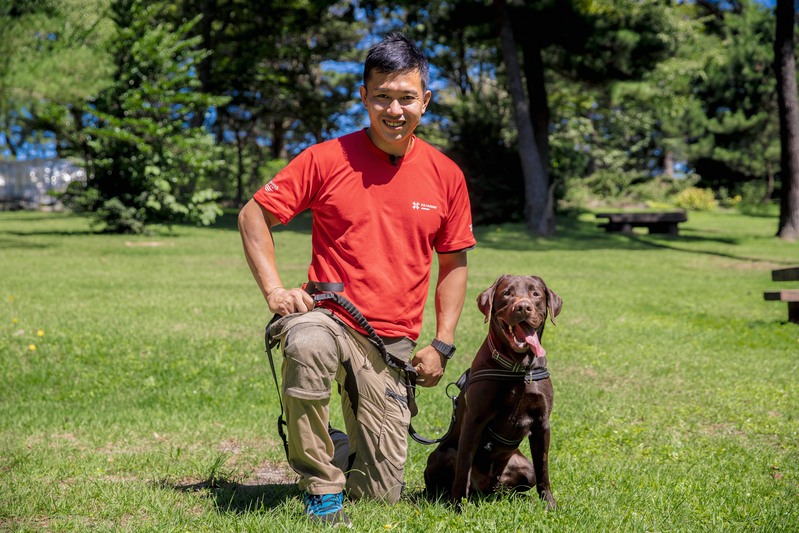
(738, 138)
(49, 51)
(145, 163)
(620, 93)
(696, 199)
(268, 59)
(755, 202)
(146, 402)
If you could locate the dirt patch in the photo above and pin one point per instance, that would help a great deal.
(272, 474)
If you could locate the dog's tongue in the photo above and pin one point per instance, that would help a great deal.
(531, 338)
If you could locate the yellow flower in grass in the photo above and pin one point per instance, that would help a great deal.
(11, 298)
(40, 332)
(32, 347)
(14, 320)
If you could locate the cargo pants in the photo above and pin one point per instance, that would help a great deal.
(369, 460)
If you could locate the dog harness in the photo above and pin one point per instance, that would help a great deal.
(510, 371)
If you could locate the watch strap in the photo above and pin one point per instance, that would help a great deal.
(447, 350)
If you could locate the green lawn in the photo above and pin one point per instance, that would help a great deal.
(136, 394)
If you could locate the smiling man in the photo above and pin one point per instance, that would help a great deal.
(383, 202)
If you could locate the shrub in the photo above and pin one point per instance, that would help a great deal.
(696, 199)
(754, 202)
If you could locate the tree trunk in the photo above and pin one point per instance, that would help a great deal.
(668, 163)
(539, 101)
(239, 169)
(785, 67)
(538, 215)
(769, 185)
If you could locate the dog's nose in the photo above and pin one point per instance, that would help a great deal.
(525, 306)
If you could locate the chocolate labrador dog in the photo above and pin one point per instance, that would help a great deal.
(507, 397)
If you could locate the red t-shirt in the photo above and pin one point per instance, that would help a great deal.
(376, 222)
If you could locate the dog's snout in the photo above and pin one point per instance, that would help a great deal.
(523, 306)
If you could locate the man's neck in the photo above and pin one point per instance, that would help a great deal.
(394, 150)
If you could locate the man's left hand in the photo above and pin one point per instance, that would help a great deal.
(429, 365)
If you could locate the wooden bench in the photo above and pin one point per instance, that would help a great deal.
(657, 222)
(786, 295)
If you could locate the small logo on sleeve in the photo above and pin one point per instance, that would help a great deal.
(270, 187)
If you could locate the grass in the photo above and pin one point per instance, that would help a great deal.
(136, 395)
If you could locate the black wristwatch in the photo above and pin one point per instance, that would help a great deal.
(447, 350)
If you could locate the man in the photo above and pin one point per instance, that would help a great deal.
(382, 202)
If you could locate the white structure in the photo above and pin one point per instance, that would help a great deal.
(26, 184)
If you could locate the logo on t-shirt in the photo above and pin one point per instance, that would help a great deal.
(423, 207)
(271, 187)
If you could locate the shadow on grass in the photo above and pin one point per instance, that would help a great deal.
(646, 242)
(574, 234)
(232, 497)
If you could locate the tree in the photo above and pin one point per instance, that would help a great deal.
(785, 67)
(586, 42)
(266, 57)
(737, 140)
(538, 202)
(49, 52)
(144, 161)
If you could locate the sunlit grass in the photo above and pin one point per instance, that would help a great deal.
(137, 394)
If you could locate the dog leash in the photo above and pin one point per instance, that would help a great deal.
(454, 398)
(322, 291)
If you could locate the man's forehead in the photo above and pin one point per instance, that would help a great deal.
(405, 80)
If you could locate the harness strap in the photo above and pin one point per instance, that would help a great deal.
(498, 438)
(506, 362)
(498, 374)
(534, 374)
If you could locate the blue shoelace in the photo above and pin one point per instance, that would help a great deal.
(323, 504)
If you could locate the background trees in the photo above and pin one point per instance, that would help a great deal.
(621, 102)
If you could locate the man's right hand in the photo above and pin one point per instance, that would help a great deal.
(287, 301)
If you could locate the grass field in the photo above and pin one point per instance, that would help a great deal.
(136, 394)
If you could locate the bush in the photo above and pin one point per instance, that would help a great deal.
(753, 201)
(696, 199)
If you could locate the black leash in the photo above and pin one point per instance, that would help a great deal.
(460, 384)
(329, 291)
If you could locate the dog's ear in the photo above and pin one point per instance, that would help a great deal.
(485, 301)
(554, 303)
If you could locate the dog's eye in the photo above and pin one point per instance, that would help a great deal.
(506, 292)
(536, 294)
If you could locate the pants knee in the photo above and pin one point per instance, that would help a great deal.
(311, 358)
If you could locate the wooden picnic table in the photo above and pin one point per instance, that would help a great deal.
(655, 221)
(786, 295)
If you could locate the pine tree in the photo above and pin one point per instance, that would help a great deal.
(145, 162)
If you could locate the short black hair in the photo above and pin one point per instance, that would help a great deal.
(396, 53)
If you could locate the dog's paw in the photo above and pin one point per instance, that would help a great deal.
(549, 500)
(458, 504)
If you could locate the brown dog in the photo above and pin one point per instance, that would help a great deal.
(508, 396)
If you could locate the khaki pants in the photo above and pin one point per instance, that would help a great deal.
(369, 460)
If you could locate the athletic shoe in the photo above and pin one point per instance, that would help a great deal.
(326, 509)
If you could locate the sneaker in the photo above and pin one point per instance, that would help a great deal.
(326, 509)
